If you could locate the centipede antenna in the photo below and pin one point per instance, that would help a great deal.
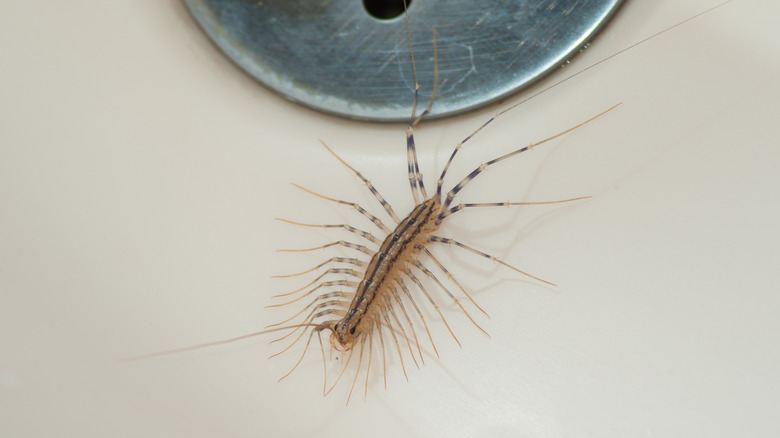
(314, 310)
(213, 343)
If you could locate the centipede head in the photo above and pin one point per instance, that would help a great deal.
(345, 333)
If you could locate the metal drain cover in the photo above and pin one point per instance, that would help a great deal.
(334, 56)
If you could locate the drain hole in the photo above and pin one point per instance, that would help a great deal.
(385, 9)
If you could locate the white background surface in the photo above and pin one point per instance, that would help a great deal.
(140, 173)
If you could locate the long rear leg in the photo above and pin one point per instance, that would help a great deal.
(415, 176)
(481, 168)
(440, 182)
(461, 206)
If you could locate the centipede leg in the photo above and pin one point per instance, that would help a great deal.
(452, 278)
(449, 241)
(419, 284)
(357, 369)
(408, 295)
(435, 279)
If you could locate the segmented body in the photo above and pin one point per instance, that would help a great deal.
(378, 301)
(356, 311)
(397, 253)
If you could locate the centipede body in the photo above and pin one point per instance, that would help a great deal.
(354, 309)
(139, 216)
(384, 294)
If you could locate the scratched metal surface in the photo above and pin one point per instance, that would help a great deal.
(335, 57)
